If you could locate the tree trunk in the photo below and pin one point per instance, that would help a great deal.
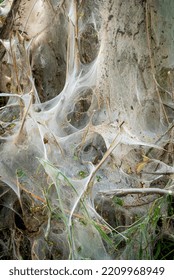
(86, 125)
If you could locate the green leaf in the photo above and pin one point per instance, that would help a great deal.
(98, 178)
(118, 201)
(20, 173)
(83, 174)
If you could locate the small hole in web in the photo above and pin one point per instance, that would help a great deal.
(79, 116)
(3, 101)
(18, 216)
(87, 148)
(19, 222)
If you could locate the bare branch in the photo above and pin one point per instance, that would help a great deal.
(123, 192)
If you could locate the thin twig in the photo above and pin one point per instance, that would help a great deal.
(24, 119)
(123, 192)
